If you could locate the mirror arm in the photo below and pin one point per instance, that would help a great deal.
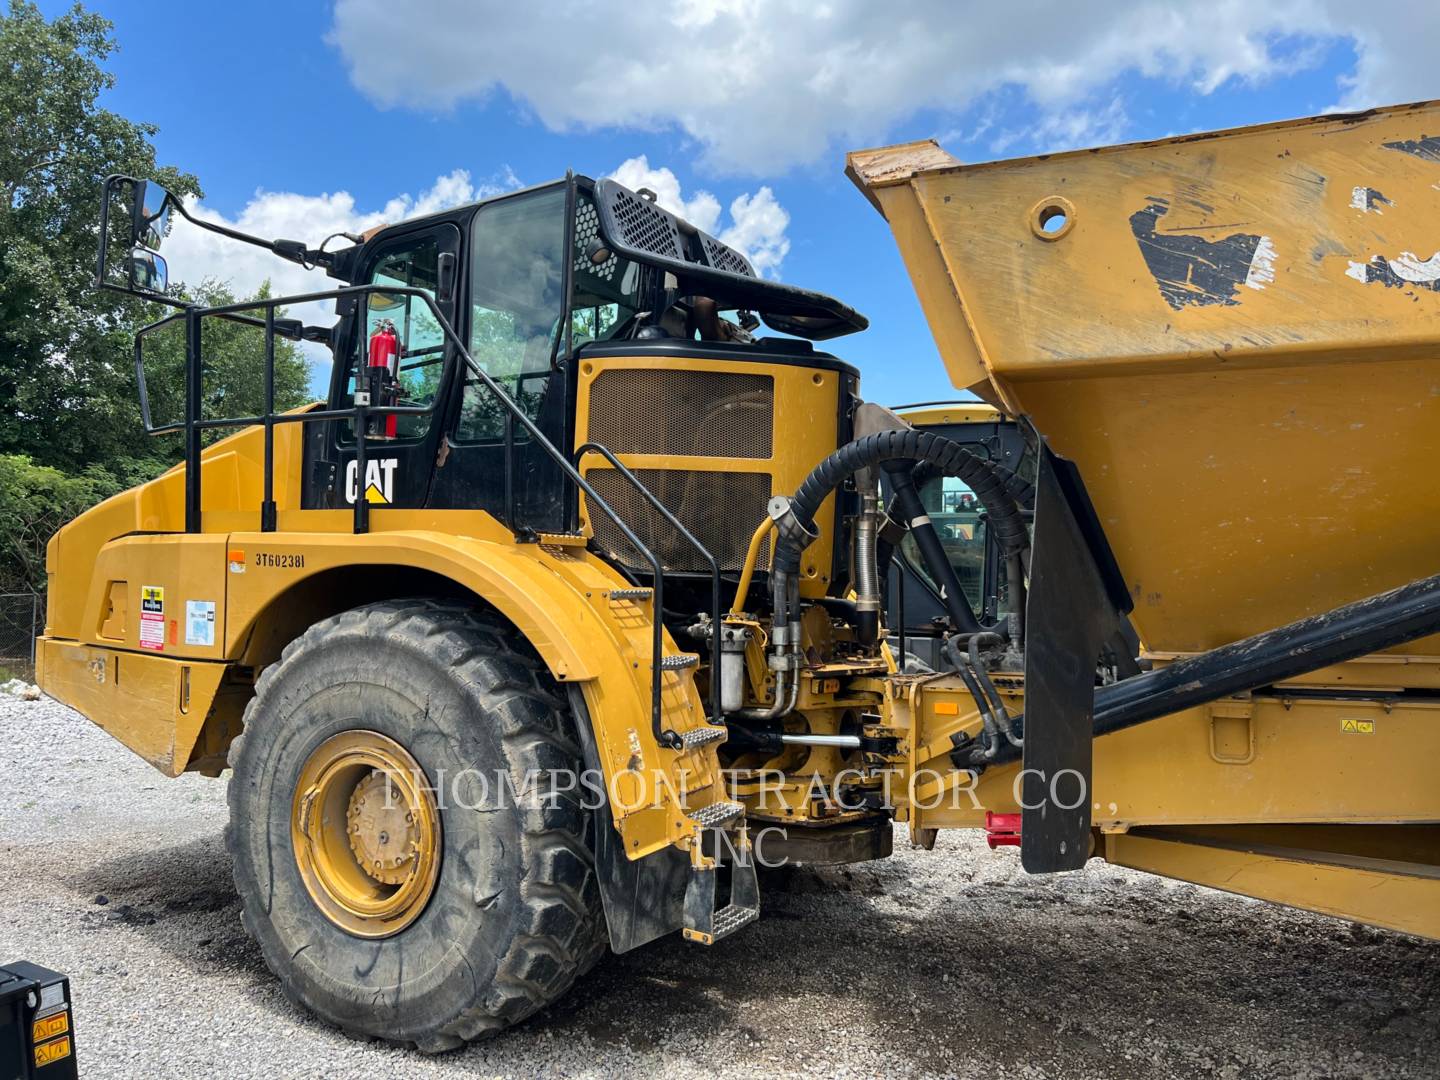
(293, 250)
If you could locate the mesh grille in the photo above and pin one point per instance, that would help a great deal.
(720, 508)
(683, 413)
(722, 257)
(644, 227)
(587, 227)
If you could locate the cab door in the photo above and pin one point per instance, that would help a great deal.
(400, 454)
(515, 286)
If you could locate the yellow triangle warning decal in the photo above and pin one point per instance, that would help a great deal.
(373, 494)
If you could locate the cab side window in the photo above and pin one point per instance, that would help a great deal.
(402, 348)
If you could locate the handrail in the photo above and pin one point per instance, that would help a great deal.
(659, 594)
(193, 424)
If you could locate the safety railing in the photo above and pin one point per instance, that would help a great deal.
(194, 425)
(658, 593)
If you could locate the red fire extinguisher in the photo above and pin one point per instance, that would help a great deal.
(385, 369)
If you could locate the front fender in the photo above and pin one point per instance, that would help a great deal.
(522, 582)
(558, 598)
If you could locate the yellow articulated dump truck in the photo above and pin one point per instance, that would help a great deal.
(582, 595)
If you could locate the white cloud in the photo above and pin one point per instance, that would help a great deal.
(1069, 129)
(758, 224)
(195, 254)
(757, 221)
(1396, 46)
(763, 86)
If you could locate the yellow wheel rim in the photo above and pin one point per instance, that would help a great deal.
(366, 833)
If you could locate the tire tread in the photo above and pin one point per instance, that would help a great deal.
(534, 719)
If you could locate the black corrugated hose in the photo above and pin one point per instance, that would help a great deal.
(948, 457)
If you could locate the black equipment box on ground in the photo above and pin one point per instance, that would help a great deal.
(37, 1033)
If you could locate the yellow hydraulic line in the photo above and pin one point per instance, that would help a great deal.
(752, 556)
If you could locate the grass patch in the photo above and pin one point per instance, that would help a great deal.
(12, 669)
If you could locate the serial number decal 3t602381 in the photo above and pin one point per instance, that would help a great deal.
(280, 561)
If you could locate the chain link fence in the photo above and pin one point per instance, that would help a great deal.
(22, 618)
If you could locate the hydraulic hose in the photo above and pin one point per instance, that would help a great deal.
(1022, 491)
(796, 530)
(1019, 489)
(982, 676)
(990, 745)
(900, 451)
(948, 456)
(894, 529)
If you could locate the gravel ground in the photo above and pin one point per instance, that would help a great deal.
(951, 962)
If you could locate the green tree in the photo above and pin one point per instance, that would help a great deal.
(35, 500)
(233, 370)
(67, 395)
(70, 428)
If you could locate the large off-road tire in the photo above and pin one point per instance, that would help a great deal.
(503, 910)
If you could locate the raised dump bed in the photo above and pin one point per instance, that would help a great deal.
(1235, 336)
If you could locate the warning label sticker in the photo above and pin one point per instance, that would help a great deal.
(50, 1026)
(152, 617)
(57, 1050)
(200, 622)
(1357, 727)
(152, 631)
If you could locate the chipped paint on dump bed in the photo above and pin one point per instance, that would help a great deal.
(1262, 264)
(1426, 148)
(1405, 272)
(1193, 270)
(1368, 200)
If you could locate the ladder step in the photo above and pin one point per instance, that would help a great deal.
(731, 918)
(679, 661)
(630, 594)
(716, 814)
(545, 539)
(702, 736)
(707, 920)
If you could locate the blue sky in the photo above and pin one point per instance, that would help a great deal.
(382, 100)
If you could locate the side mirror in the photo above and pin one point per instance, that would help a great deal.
(147, 271)
(150, 214)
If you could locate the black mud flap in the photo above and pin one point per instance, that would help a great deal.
(1075, 610)
(643, 898)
